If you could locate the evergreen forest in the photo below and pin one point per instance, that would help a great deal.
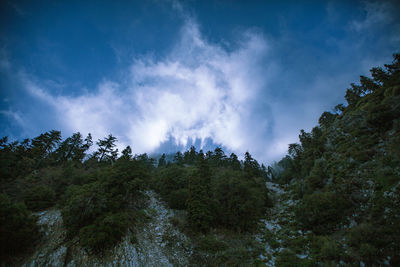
(334, 199)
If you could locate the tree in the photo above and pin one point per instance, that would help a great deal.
(326, 119)
(240, 202)
(251, 166)
(161, 161)
(234, 162)
(18, 229)
(190, 156)
(106, 151)
(219, 157)
(178, 158)
(126, 153)
(43, 146)
(73, 148)
(199, 204)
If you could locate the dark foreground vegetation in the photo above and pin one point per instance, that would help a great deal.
(345, 175)
(99, 193)
(343, 178)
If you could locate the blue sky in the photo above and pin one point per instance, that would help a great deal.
(162, 75)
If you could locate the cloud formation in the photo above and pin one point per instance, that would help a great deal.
(252, 94)
(198, 91)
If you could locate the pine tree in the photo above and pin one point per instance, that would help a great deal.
(199, 202)
(106, 151)
(161, 161)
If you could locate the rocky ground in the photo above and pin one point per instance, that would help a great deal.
(279, 230)
(153, 243)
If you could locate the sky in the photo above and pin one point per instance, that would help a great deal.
(162, 75)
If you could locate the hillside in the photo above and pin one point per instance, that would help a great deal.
(344, 176)
(333, 200)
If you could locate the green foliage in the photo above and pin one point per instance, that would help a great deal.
(199, 207)
(96, 211)
(326, 119)
(287, 258)
(73, 148)
(161, 161)
(251, 166)
(83, 205)
(317, 177)
(178, 222)
(106, 151)
(94, 196)
(43, 146)
(18, 229)
(177, 199)
(104, 232)
(126, 154)
(349, 167)
(170, 179)
(326, 249)
(321, 212)
(234, 163)
(363, 240)
(229, 250)
(240, 202)
(39, 197)
(215, 192)
(210, 244)
(172, 184)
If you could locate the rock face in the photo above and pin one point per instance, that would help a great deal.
(52, 251)
(157, 243)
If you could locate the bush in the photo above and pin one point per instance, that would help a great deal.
(177, 199)
(240, 202)
(321, 212)
(83, 205)
(363, 240)
(326, 249)
(178, 222)
(317, 176)
(210, 244)
(287, 258)
(39, 197)
(104, 233)
(97, 211)
(18, 229)
(171, 179)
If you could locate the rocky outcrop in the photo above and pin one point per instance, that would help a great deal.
(154, 243)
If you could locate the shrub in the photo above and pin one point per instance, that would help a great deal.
(18, 229)
(171, 179)
(321, 212)
(240, 202)
(83, 205)
(177, 199)
(178, 222)
(325, 249)
(287, 258)
(210, 244)
(39, 197)
(104, 233)
(363, 240)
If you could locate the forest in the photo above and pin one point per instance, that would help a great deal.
(334, 199)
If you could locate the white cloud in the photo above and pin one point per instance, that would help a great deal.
(244, 98)
(15, 116)
(198, 91)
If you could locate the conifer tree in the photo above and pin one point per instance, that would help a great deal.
(161, 161)
(106, 151)
(199, 201)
